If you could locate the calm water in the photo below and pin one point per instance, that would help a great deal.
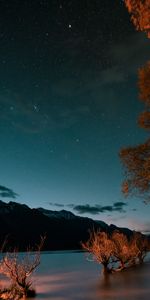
(63, 276)
(69, 276)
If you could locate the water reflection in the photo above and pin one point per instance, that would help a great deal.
(82, 280)
(69, 276)
(132, 283)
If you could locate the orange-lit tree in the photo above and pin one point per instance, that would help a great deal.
(142, 244)
(116, 252)
(101, 247)
(136, 160)
(18, 269)
(140, 14)
(125, 251)
(144, 94)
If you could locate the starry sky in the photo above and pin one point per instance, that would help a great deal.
(68, 103)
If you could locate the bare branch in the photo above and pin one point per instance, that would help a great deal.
(18, 269)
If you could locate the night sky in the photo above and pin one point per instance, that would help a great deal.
(68, 103)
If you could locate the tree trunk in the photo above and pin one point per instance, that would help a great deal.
(141, 260)
(122, 265)
(105, 269)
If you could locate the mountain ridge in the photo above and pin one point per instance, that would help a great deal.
(64, 230)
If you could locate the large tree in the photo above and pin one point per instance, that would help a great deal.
(136, 160)
(140, 14)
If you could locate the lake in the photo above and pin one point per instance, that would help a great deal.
(70, 276)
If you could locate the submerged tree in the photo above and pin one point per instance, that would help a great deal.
(116, 252)
(140, 14)
(142, 244)
(126, 250)
(19, 269)
(101, 247)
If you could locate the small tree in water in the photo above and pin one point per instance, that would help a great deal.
(19, 270)
(125, 251)
(111, 250)
(101, 247)
(143, 245)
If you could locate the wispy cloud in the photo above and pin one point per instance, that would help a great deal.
(119, 204)
(34, 114)
(7, 193)
(56, 204)
(96, 209)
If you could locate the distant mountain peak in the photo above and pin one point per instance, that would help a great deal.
(63, 229)
(10, 206)
(62, 214)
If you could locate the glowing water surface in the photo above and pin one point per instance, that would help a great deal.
(70, 276)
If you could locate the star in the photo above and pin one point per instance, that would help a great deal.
(36, 108)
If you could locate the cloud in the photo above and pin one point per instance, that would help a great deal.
(125, 60)
(134, 50)
(7, 193)
(127, 57)
(96, 209)
(112, 75)
(32, 113)
(70, 205)
(82, 209)
(37, 116)
(56, 204)
(119, 204)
